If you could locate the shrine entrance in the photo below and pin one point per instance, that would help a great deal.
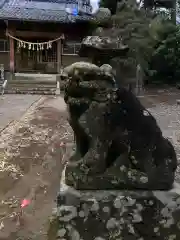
(37, 55)
(41, 61)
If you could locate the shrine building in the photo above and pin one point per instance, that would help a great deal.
(42, 35)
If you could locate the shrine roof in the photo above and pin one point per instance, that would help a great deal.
(39, 10)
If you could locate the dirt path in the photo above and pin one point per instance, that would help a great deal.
(13, 106)
(30, 168)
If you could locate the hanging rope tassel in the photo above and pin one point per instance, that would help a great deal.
(34, 46)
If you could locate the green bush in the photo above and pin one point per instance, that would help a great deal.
(165, 61)
(153, 39)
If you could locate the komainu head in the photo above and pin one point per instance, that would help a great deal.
(83, 76)
(79, 70)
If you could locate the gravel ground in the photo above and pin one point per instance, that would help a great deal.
(168, 117)
(165, 109)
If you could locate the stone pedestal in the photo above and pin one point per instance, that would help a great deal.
(118, 215)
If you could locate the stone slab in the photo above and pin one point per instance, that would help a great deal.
(120, 215)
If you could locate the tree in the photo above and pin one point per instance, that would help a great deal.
(165, 61)
(110, 4)
(153, 40)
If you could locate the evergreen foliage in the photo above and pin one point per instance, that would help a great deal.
(109, 4)
(153, 39)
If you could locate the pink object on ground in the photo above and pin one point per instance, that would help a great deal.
(25, 202)
(62, 144)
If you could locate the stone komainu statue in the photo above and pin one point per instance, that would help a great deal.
(118, 142)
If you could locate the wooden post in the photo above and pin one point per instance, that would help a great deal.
(11, 54)
(139, 79)
(59, 62)
(62, 53)
(59, 56)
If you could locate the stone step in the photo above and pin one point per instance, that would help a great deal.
(33, 81)
(35, 86)
(34, 77)
(31, 86)
(38, 92)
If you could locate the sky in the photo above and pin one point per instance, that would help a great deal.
(94, 4)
